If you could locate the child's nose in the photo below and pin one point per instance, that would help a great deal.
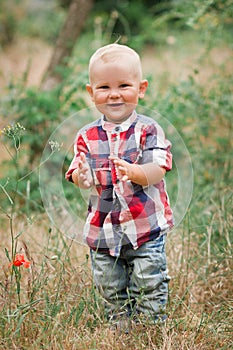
(114, 93)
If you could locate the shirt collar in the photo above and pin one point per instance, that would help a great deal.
(110, 127)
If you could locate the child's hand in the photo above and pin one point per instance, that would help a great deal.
(144, 174)
(82, 175)
(123, 169)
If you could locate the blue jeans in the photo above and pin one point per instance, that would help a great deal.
(134, 283)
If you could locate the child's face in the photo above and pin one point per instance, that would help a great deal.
(116, 87)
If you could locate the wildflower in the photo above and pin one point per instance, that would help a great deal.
(55, 146)
(13, 130)
(19, 260)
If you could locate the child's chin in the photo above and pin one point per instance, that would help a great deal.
(117, 117)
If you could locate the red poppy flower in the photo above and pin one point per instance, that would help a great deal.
(19, 260)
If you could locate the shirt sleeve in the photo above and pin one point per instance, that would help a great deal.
(79, 146)
(156, 148)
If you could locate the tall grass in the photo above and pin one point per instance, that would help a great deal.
(53, 303)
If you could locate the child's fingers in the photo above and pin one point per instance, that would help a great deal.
(123, 169)
(83, 157)
(82, 160)
(124, 173)
(125, 178)
(118, 162)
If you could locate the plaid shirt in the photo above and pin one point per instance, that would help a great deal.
(121, 213)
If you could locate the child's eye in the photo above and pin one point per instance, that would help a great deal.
(124, 85)
(103, 87)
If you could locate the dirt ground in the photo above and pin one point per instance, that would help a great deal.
(21, 55)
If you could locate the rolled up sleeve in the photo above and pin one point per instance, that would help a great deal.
(156, 148)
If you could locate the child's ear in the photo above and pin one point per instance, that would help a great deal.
(89, 90)
(142, 88)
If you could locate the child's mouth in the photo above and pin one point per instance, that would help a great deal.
(115, 105)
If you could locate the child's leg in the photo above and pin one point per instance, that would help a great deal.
(149, 279)
(111, 278)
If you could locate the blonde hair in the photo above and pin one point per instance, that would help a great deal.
(112, 52)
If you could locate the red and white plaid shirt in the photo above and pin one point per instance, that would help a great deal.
(121, 213)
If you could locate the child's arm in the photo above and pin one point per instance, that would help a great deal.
(82, 176)
(144, 174)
